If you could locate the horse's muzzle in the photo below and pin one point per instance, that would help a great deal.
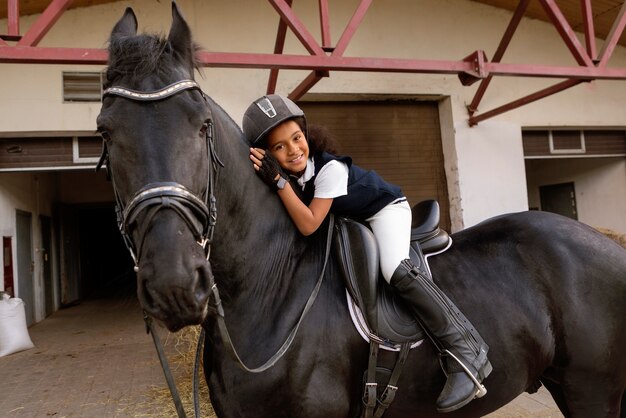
(176, 299)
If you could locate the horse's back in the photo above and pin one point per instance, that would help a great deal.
(542, 258)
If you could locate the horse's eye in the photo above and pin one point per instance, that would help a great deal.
(203, 130)
(105, 135)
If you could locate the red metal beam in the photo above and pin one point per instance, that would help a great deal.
(340, 48)
(611, 40)
(555, 71)
(566, 32)
(325, 26)
(590, 33)
(497, 56)
(474, 120)
(352, 26)
(43, 24)
(92, 56)
(41, 55)
(330, 63)
(306, 84)
(281, 33)
(301, 32)
(13, 17)
(373, 64)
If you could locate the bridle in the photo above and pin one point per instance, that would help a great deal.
(200, 214)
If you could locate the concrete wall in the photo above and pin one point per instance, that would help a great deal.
(425, 29)
(603, 207)
(491, 170)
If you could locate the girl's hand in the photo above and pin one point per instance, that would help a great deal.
(257, 155)
(306, 218)
(267, 167)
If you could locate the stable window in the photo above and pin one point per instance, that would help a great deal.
(567, 142)
(573, 143)
(82, 87)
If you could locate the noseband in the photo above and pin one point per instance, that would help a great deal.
(199, 214)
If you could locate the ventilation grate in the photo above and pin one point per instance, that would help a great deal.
(82, 87)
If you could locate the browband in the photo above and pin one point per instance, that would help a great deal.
(165, 92)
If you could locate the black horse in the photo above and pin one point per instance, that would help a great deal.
(547, 293)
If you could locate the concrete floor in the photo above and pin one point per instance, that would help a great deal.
(95, 360)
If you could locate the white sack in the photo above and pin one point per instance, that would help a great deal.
(13, 332)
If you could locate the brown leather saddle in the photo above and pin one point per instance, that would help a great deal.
(356, 251)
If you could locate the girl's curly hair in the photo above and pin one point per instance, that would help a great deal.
(320, 139)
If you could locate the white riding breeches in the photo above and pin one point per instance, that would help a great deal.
(392, 229)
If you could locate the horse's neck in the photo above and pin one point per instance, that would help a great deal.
(259, 258)
(264, 268)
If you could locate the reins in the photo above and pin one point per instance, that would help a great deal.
(283, 349)
(201, 217)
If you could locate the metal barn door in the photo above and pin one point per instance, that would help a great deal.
(559, 198)
(46, 261)
(400, 139)
(25, 263)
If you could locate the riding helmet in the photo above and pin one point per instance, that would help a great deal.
(267, 112)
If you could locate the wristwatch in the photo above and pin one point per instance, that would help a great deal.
(282, 182)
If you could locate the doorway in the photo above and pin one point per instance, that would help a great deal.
(559, 198)
(94, 262)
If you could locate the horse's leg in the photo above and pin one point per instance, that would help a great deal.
(591, 396)
(557, 394)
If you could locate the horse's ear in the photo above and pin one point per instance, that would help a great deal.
(126, 26)
(180, 35)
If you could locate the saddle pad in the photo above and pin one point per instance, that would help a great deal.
(367, 334)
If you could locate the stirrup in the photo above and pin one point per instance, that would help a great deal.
(481, 390)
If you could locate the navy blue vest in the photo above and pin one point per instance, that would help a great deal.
(367, 191)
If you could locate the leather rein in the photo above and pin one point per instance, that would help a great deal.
(200, 214)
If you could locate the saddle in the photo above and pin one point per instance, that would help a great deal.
(389, 320)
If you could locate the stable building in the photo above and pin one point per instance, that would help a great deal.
(489, 106)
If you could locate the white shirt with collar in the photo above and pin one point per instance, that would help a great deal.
(331, 181)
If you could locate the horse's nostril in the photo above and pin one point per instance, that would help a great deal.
(203, 283)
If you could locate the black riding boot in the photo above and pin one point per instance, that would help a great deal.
(452, 333)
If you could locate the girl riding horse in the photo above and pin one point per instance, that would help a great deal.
(276, 128)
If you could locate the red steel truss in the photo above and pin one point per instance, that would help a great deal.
(324, 58)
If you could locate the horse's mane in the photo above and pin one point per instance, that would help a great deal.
(140, 56)
(215, 105)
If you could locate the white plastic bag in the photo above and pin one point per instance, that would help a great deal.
(13, 332)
